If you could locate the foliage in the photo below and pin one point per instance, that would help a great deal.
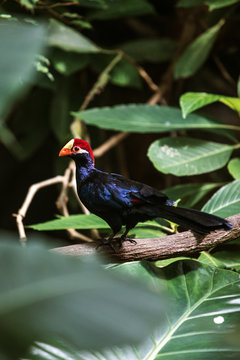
(99, 63)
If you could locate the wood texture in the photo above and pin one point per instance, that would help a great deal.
(182, 244)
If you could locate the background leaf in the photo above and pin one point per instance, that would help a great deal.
(193, 101)
(17, 66)
(234, 168)
(196, 53)
(201, 317)
(213, 4)
(145, 118)
(52, 296)
(226, 201)
(187, 156)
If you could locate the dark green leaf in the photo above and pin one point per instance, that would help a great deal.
(65, 38)
(145, 118)
(16, 65)
(213, 4)
(226, 201)
(150, 49)
(187, 156)
(196, 53)
(201, 318)
(193, 101)
(67, 63)
(50, 296)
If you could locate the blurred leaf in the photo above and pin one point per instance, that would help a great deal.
(29, 4)
(65, 38)
(201, 317)
(52, 296)
(226, 201)
(188, 156)
(190, 194)
(16, 65)
(213, 4)
(150, 49)
(101, 4)
(234, 168)
(193, 101)
(145, 118)
(196, 53)
(122, 8)
(238, 86)
(67, 63)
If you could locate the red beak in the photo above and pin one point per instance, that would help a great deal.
(65, 152)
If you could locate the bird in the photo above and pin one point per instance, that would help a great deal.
(121, 201)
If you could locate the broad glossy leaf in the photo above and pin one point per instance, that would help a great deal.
(91, 221)
(145, 118)
(226, 201)
(65, 38)
(229, 258)
(190, 194)
(187, 156)
(234, 168)
(16, 65)
(150, 49)
(192, 101)
(213, 4)
(196, 53)
(76, 300)
(201, 317)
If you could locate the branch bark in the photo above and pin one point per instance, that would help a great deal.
(181, 244)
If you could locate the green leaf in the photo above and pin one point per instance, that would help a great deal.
(16, 65)
(29, 4)
(213, 4)
(229, 259)
(187, 156)
(67, 63)
(65, 38)
(122, 8)
(190, 194)
(234, 168)
(91, 221)
(150, 49)
(226, 201)
(51, 296)
(201, 318)
(193, 101)
(141, 118)
(196, 53)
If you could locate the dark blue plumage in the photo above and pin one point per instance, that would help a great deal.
(120, 201)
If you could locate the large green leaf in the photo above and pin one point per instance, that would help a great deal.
(226, 201)
(196, 53)
(187, 156)
(190, 194)
(150, 49)
(229, 258)
(91, 221)
(45, 295)
(145, 118)
(201, 318)
(213, 4)
(16, 65)
(65, 38)
(192, 101)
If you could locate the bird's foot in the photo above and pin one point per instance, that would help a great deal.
(124, 238)
(106, 242)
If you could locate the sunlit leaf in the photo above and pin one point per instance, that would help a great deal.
(188, 156)
(226, 201)
(193, 101)
(144, 118)
(234, 168)
(196, 53)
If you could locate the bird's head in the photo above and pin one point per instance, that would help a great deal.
(77, 149)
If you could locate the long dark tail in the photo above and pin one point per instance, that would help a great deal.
(195, 220)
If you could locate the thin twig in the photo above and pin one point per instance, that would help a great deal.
(181, 244)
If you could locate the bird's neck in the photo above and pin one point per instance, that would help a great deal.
(84, 169)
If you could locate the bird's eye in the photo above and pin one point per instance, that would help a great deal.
(76, 148)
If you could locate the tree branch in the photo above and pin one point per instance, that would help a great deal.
(181, 244)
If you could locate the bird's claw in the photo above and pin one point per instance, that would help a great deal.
(103, 242)
(124, 238)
